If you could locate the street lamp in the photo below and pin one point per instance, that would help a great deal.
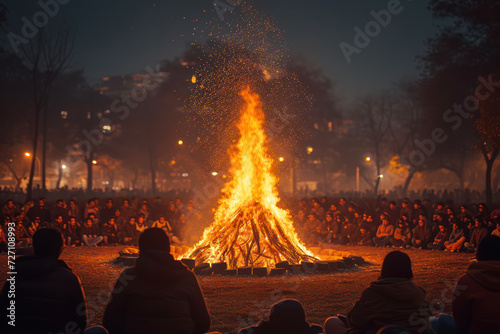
(214, 173)
(368, 158)
(28, 154)
(180, 142)
(281, 159)
(94, 162)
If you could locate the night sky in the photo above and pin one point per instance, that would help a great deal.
(124, 36)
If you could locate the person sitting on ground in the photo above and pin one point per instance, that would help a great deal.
(402, 235)
(49, 297)
(72, 233)
(163, 224)
(129, 234)
(421, 234)
(496, 231)
(478, 233)
(34, 226)
(285, 317)
(384, 232)
(109, 232)
(476, 296)
(440, 238)
(393, 300)
(365, 236)
(158, 295)
(456, 239)
(90, 233)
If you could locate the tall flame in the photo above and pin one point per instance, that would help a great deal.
(249, 229)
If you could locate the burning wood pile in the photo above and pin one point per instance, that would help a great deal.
(249, 229)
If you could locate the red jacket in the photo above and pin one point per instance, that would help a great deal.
(477, 299)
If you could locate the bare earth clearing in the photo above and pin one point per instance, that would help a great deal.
(235, 302)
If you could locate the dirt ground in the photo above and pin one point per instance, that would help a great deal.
(236, 302)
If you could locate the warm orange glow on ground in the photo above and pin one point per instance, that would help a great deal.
(249, 228)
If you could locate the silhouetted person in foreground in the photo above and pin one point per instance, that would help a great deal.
(392, 300)
(48, 296)
(285, 317)
(476, 303)
(158, 295)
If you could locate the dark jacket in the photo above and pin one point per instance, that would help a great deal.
(390, 301)
(108, 230)
(422, 233)
(92, 230)
(158, 295)
(476, 296)
(48, 297)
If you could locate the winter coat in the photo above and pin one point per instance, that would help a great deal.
(402, 233)
(159, 295)
(129, 231)
(389, 229)
(476, 298)
(455, 235)
(390, 301)
(478, 234)
(92, 230)
(108, 230)
(48, 297)
(422, 233)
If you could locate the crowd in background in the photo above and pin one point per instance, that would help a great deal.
(402, 224)
(95, 223)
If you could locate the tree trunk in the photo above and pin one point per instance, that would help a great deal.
(152, 167)
(489, 167)
(29, 190)
(44, 147)
(407, 181)
(90, 178)
(59, 174)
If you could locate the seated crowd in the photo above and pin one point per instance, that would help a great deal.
(93, 225)
(407, 225)
(161, 295)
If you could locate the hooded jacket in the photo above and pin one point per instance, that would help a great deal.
(390, 301)
(48, 297)
(158, 295)
(476, 298)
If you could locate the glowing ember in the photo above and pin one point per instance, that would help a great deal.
(249, 229)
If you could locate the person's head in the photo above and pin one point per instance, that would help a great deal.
(117, 213)
(89, 222)
(140, 219)
(442, 228)
(125, 203)
(454, 226)
(328, 217)
(171, 206)
(405, 216)
(178, 202)
(144, 206)
(333, 208)
(396, 265)
(109, 203)
(482, 208)
(489, 249)
(288, 316)
(421, 222)
(91, 203)
(37, 220)
(392, 205)
(182, 218)
(316, 205)
(417, 204)
(498, 225)
(463, 209)
(10, 203)
(41, 202)
(111, 221)
(478, 223)
(131, 221)
(162, 220)
(72, 221)
(59, 219)
(154, 239)
(48, 242)
(342, 201)
(60, 203)
(385, 220)
(72, 203)
(312, 217)
(401, 223)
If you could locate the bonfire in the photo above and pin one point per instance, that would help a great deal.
(249, 229)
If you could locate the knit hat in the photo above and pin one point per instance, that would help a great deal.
(288, 313)
(396, 265)
(154, 239)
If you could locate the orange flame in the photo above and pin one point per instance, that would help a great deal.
(249, 229)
